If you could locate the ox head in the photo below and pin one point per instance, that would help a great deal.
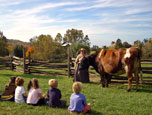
(90, 60)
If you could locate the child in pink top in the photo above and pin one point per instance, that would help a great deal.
(35, 96)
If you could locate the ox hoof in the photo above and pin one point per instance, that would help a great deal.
(103, 86)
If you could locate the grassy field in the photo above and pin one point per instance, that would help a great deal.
(105, 101)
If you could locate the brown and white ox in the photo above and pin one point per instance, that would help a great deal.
(116, 62)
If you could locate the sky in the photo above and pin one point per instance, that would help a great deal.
(103, 21)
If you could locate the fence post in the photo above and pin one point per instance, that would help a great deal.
(29, 62)
(24, 59)
(12, 66)
(69, 71)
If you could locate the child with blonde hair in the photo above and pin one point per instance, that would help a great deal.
(54, 95)
(78, 101)
(35, 96)
(20, 94)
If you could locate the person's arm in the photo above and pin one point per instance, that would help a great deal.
(40, 93)
(60, 94)
(84, 101)
(7, 87)
(48, 94)
(24, 94)
(77, 59)
(41, 96)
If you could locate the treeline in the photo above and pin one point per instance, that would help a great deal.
(45, 47)
(145, 46)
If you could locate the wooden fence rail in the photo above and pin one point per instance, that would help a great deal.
(29, 66)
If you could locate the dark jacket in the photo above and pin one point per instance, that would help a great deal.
(54, 96)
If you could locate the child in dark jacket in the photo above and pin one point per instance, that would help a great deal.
(9, 91)
(54, 95)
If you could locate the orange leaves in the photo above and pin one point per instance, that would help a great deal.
(29, 50)
(10, 48)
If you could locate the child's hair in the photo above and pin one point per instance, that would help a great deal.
(53, 83)
(29, 85)
(19, 81)
(12, 80)
(77, 87)
(35, 83)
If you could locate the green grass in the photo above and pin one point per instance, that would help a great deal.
(104, 101)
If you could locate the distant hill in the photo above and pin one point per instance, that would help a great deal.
(17, 42)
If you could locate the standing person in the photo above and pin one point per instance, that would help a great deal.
(9, 91)
(35, 96)
(78, 101)
(54, 95)
(20, 94)
(81, 74)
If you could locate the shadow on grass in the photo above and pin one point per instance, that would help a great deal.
(145, 90)
(93, 83)
(92, 112)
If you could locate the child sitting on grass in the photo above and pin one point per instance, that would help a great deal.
(54, 95)
(35, 96)
(78, 101)
(9, 91)
(20, 94)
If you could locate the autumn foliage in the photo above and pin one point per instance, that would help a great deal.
(29, 50)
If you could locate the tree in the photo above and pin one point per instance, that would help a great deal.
(138, 43)
(105, 47)
(86, 41)
(118, 44)
(18, 51)
(95, 48)
(3, 45)
(59, 52)
(72, 36)
(32, 40)
(126, 45)
(44, 47)
(76, 48)
(147, 49)
(59, 38)
(145, 40)
(10, 49)
(30, 50)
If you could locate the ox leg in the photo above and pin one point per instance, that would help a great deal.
(129, 81)
(106, 80)
(137, 80)
(103, 81)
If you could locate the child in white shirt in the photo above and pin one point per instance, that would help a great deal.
(20, 94)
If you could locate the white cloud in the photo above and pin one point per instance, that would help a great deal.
(141, 10)
(5, 3)
(102, 4)
(44, 7)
